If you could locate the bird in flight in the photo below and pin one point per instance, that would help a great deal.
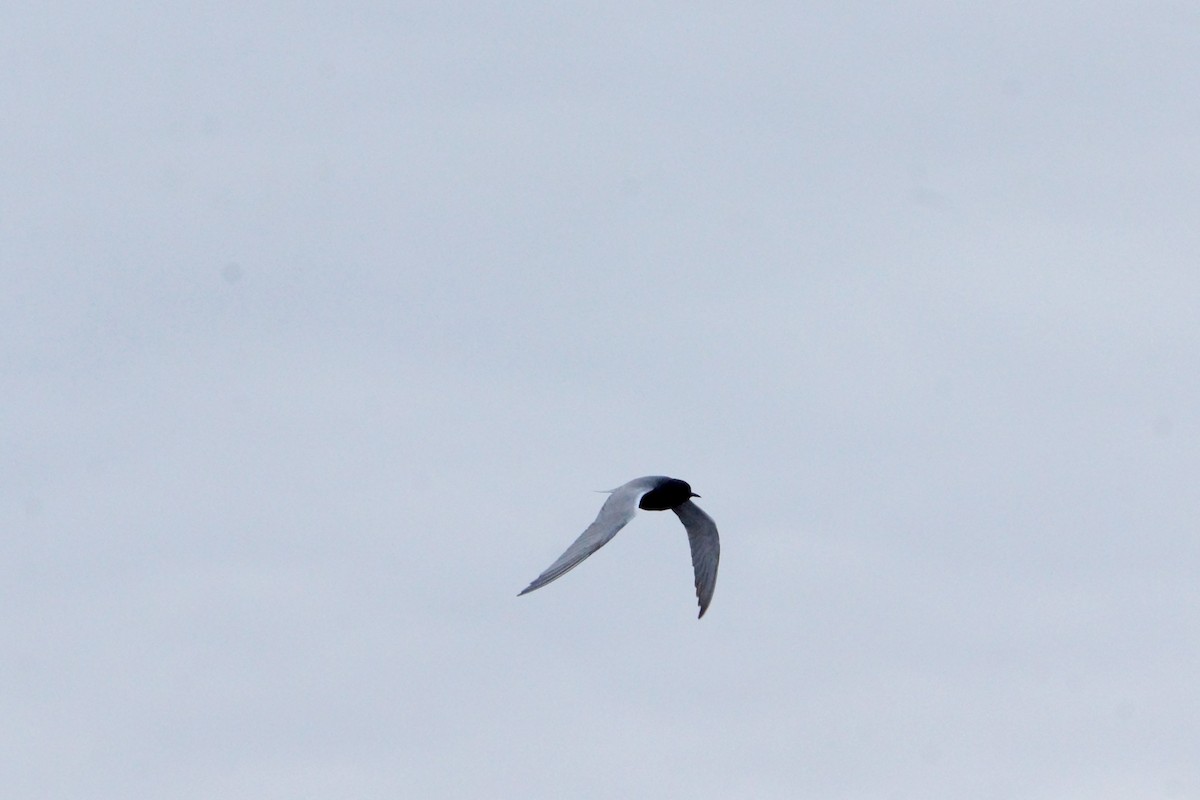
(653, 493)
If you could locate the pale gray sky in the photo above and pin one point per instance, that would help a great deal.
(322, 322)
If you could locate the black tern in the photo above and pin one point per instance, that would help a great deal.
(653, 493)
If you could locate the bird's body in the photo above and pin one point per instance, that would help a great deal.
(652, 493)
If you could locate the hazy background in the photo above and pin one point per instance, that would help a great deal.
(321, 322)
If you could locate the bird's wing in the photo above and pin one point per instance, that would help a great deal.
(615, 514)
(706, 549)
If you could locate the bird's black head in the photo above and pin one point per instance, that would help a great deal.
(670, 493)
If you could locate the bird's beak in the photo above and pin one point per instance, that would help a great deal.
(695, 495)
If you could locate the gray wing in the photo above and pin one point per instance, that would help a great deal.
(706, 549)
(615, 514)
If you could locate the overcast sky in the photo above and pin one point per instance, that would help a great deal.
(321, 323)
